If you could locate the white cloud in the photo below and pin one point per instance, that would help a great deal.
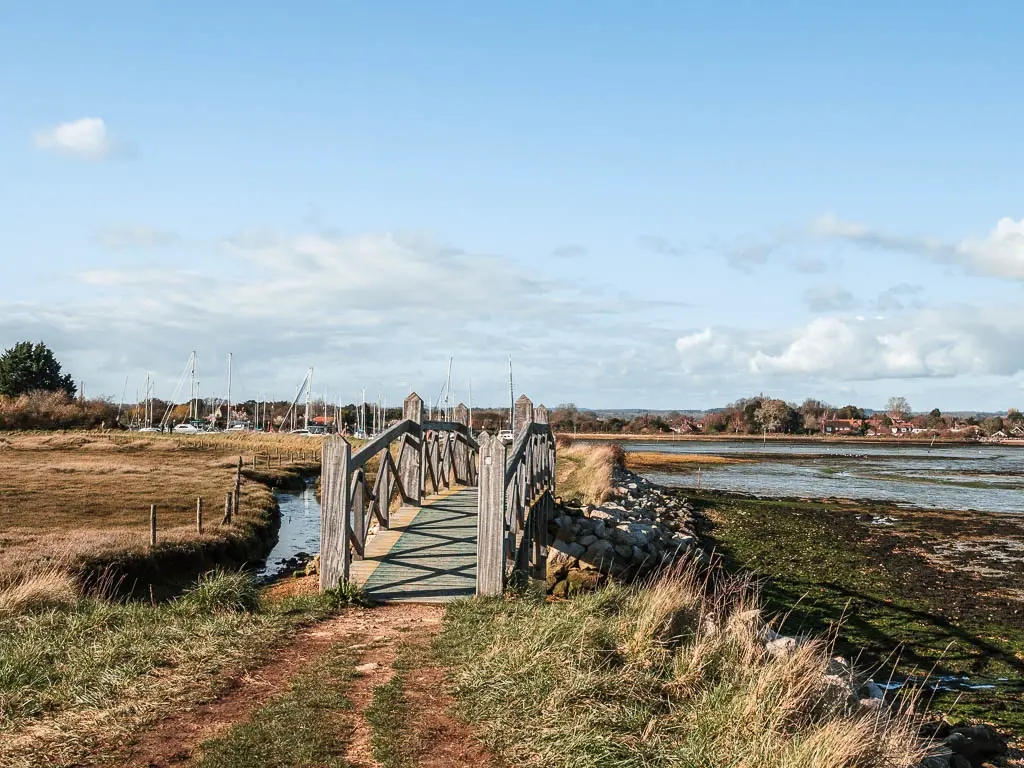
(659, 245)
(86, 138)
(569, 251)
(898, 297)
(701, 338)
(374, 310)
(998, 254)
(934, 343)
(136, 237)
(829, 298)
(1001, 253)
(809, 265)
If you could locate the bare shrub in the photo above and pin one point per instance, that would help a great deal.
(54, 410)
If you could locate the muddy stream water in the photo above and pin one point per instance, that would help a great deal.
(298, 538)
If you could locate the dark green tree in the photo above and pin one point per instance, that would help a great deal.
(27, 366)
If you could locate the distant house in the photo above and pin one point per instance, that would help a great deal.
(1017, 431)
(840, 426)
(901, 427)
(686, 427)
(1000, 435)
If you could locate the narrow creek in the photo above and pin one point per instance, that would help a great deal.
(298, 538)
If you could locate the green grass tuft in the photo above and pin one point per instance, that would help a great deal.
(388, 715)
(218, 591)
(306, 727)
(77, 681)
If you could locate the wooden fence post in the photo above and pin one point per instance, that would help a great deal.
(199, 515)
(152, 525)
(410, 468)
(238, 487)
(227, 509)
(523, 414)
(460, 451)
(490, 569)
(334, 513)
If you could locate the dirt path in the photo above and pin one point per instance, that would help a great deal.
(439, 739)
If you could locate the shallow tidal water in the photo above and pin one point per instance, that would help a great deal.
(298, 538)
(984, 477)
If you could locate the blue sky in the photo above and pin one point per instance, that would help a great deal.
(658, 204)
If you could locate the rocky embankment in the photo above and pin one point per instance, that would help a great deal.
(639, 530)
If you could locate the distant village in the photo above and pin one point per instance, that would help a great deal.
(761, 415)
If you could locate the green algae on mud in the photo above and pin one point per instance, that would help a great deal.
(912, 591)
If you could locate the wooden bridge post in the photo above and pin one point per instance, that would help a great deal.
(546, 479)
(334, 513)
(460, 449)
(523, 414)
(490, 569)
(410, 455)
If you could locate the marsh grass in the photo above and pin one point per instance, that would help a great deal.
(79, 680)
(50, 588)
(79, 500)
(652, 461)
(669, 674)
(584, 471)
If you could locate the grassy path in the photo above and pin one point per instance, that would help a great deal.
(358, 690)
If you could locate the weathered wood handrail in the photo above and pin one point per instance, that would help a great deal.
(383, 440)
(516, 502)
(440, 452)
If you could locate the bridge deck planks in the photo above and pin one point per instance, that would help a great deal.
(429, 555)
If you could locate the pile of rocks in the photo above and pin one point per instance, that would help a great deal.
(639, 530)
(966, 746)
(844, 691)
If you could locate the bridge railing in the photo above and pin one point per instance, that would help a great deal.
(406, 462)
(517, 501)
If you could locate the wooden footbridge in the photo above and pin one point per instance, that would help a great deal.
(426, 512)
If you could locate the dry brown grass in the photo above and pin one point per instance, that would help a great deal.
(47, 589)
(69, 496)
(671, 673)
(652, 461)
(584, 472)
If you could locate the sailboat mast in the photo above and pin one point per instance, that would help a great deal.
(227, 417)
(448, 393)
(124, 394)
(192, 399)
(511, 399)
(309, 387)
(470, 407)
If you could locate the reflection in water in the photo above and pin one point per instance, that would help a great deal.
(989, 478)
(299, 535)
